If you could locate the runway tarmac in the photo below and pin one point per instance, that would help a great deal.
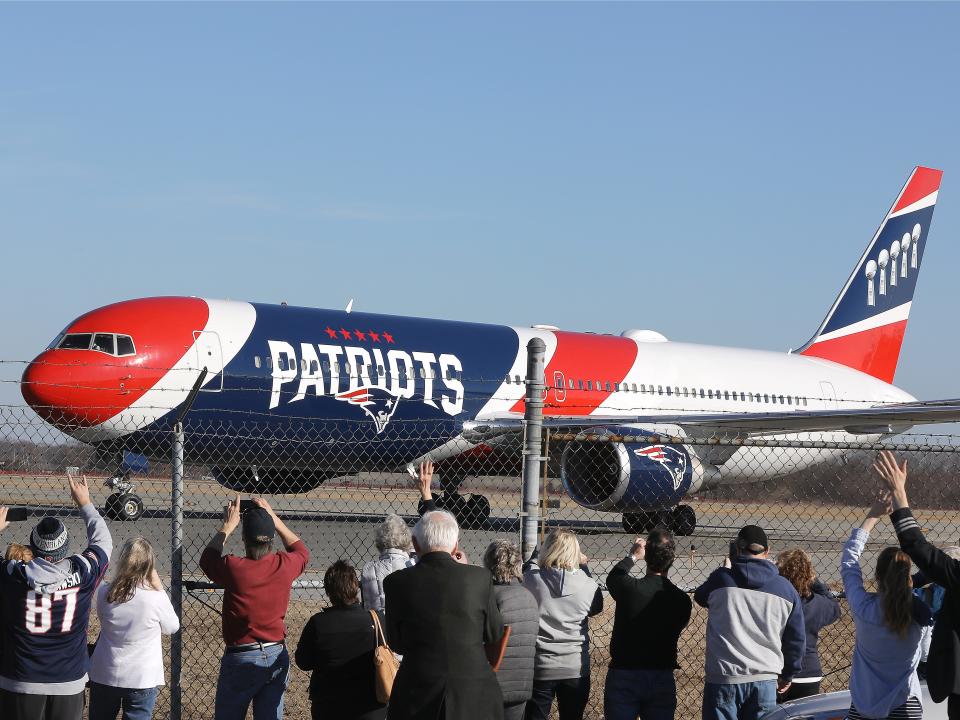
(338, 522)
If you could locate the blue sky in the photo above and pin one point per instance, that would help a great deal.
(711, 171)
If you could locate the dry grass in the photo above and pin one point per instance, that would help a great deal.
(202, 648)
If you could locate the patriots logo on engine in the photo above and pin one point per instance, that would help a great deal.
(674, 461)
(376, 402)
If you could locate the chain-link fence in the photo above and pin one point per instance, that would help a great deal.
(333, 481)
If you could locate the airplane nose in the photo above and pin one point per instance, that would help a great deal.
(47, 387)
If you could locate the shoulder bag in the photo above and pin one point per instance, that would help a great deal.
(385, 664)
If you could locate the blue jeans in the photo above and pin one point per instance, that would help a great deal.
(106, 701)
(743, 701)
(649, 694)
(258, 676)
(572, 695)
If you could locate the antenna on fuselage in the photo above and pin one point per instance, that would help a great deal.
(349, 306)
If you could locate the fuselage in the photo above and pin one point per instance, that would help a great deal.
(398, 387)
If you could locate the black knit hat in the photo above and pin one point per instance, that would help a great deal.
(50, 540)
(753, 539)
(258, 525)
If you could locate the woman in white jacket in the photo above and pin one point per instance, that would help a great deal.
(127, 665)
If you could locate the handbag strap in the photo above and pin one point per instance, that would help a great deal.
(378, 630)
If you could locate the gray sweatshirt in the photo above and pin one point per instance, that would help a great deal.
(566, 599)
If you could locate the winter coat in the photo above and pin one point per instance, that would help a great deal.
(519, 610)
(755, 626)
(566, 599)
(374, 572)
(943, 660)
(439, 615)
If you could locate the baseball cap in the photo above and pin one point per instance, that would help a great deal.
(258, 525)
(50, 540)
(753, 539)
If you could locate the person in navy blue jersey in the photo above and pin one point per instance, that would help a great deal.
(44, 611)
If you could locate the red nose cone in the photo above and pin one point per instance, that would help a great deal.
(82, 388)
(47, 388)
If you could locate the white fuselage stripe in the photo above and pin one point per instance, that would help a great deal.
(887, 317)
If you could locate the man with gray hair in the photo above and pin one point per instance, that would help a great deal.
(439, 615)
(392, 538)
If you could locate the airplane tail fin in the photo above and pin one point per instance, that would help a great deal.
(864, 329)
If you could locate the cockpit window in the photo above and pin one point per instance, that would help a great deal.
(75, 341)
(102, 342)
(109, 343)
(125, 345)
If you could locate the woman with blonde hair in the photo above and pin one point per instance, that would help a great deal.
(566, 595)
(127, 664)
(819, 610)
(889, 622)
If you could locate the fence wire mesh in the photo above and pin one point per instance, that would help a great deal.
(333, 481)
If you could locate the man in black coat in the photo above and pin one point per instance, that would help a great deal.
(943, 662)
(439, 615)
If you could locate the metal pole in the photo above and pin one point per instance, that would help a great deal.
(176, 571)
(533, 418)
(545, 507)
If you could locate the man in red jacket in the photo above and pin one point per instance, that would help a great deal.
(256, 592)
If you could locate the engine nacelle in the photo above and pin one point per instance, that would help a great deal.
(625, 477)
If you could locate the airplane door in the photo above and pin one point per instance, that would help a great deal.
(210, 356)
(559, 388)
(828, 394)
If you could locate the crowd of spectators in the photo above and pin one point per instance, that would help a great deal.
(502, 640)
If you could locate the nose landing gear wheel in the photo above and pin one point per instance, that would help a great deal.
(126, 507)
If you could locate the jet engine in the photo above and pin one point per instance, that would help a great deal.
(608, 474)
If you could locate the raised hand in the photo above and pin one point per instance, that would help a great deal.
(882, 506)
(424, 479)
(79, 490)
(894, 476)
(4, 524)
(261, 502)
(231, 516)
(638, 549)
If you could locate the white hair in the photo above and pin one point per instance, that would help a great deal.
(392, 533)
(437, 531)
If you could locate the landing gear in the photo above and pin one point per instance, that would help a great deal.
(471, 511)
(682, 520)
(123, 504)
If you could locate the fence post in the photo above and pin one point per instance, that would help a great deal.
(176, 571)
(533, 418)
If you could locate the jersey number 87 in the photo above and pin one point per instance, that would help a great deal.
(39, 617)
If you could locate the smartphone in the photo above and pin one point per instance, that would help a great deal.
(16, 514)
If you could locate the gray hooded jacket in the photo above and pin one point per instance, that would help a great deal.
(566, 599)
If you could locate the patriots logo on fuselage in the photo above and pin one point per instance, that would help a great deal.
(674, 461)
(376, 402)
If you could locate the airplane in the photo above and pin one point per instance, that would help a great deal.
(292, 396)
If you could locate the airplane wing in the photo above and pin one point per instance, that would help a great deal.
(877, 420)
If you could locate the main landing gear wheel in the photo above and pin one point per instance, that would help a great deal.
(122, 503)
(682, 520)
(471, 511)
(643, 521)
